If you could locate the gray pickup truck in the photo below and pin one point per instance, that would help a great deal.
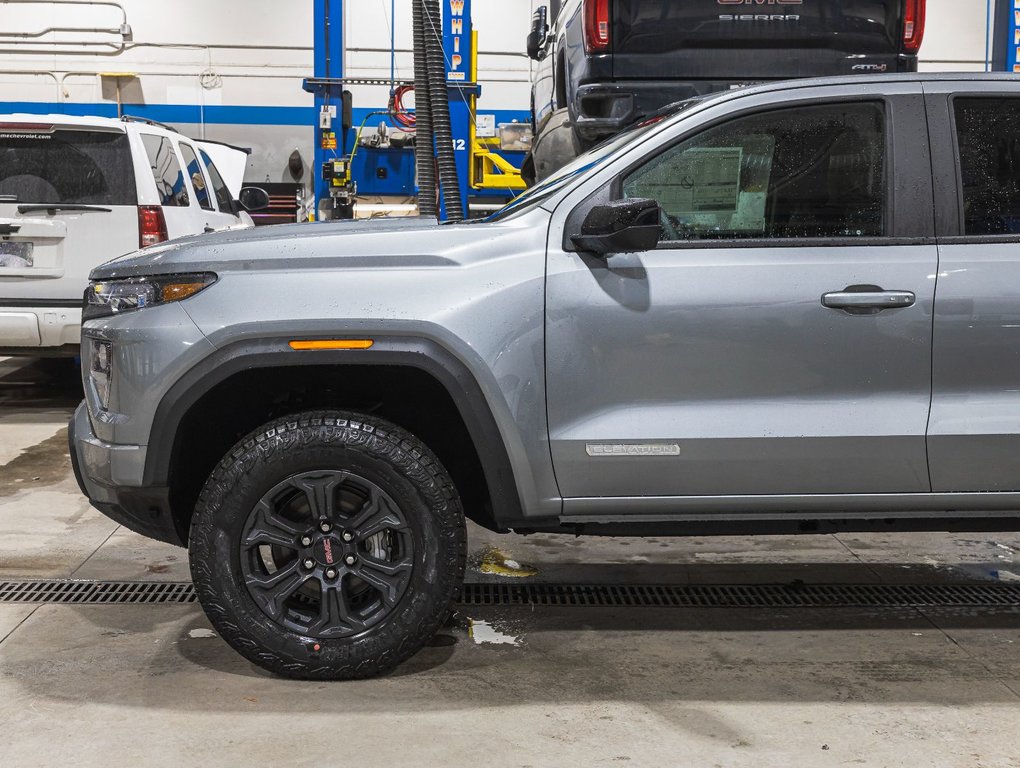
(790, 308)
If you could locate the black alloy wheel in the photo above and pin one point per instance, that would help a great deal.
(326, 553)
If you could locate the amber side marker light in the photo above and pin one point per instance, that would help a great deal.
(178, 291)
(331, 344)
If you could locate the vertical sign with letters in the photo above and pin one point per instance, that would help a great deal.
(457, 50)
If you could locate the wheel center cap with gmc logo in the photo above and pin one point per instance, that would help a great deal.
(328, 550)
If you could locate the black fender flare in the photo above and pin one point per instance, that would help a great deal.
(420, 353)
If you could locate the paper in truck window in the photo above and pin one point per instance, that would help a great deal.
(715, 176)
(701, 180)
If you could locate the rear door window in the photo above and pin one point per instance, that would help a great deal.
(803, 172)
(988, 137)
(224, 200)
(197, 177)
(40, 164)
(166, 171)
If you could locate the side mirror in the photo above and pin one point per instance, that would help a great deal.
(622, 226)
(253, 199)
(539, 32)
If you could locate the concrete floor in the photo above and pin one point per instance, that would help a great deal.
(153, 685)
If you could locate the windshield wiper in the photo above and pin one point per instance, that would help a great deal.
(52, 208)
(476, 220)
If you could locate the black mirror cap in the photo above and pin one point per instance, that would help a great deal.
(253, 199)
(613, 216)
(622, 226)
(538, 34)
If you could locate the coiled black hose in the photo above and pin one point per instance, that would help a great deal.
(449, 184)
(424, 157)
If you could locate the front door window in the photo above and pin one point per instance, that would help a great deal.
(806, 172)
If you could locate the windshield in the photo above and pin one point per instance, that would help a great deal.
(581, 165)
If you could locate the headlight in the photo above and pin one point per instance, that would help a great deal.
(111, 297)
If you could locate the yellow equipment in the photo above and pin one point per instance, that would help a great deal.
(488, 170)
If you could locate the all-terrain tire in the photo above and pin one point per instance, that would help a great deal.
(391, 458)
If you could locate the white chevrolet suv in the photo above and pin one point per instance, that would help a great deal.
(78, 191)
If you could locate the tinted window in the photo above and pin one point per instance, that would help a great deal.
(166, 170)
(802, 172)
(224, 200)
(198, 182)
(66, 166)
(988, 133)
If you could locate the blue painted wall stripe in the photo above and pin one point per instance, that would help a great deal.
(174, 113)
(214, 114)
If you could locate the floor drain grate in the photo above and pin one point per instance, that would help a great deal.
(96, 592)
(746, 596)
(594, 595)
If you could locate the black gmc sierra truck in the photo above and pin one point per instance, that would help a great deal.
(602, 65)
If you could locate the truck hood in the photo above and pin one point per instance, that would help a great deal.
(375, 243)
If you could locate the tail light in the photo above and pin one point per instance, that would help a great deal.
(913, 25)
(596, 25)
(151, 225)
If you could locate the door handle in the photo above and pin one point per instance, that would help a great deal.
(868, 301)
(208, 229)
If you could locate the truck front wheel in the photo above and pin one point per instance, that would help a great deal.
(328, 545)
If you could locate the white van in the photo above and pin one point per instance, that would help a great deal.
(78, 191)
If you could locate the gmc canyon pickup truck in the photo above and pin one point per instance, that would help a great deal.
(604, 64)
(789, 308)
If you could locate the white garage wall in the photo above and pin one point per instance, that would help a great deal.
(211, 54)
(257, 54)
(208, 55)
(956, 36)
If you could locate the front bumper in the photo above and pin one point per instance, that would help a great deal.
(111, 477)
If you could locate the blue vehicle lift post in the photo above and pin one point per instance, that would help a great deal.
(458, 48)
(330, 172)
(478, 165)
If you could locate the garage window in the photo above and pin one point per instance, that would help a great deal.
(988, 136)
(807, 172)
(166, 171)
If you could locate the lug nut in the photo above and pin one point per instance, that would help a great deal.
(350, 559)
(331, 573)
(306, 541)
(348, 536)
(309, 563)
(324, 526)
